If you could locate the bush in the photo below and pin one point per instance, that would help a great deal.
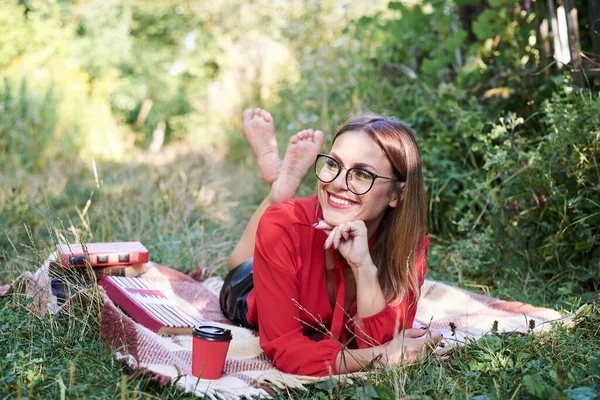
(547, 201)
(49, 107)
(538, 198)
(28, 124)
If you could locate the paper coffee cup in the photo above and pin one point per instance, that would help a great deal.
(209, 350)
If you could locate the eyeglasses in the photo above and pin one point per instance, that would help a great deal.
(358, 180)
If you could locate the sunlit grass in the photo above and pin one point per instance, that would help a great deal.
(182, 207)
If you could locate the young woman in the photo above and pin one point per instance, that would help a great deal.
(335, 278)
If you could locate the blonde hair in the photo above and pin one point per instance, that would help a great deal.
(397, 251)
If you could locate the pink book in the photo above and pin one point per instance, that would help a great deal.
(157, 308)
(101, 254)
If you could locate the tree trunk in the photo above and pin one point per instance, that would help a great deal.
(158, 137)
(594, 14)
(574, 43)
(144, 111)
(543, 37)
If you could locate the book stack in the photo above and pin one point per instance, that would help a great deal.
(128, 259)
(154, 306)
(116, 267)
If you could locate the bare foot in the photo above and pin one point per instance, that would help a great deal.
(259, 131)
(299, 158)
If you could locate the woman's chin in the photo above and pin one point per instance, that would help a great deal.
(337, 214)
(336, 218)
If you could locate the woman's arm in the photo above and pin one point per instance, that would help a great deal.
(406, 347)
(377, 321)
(369, 296)
(277, 290)
(351, 240)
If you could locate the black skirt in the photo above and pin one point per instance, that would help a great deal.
(238, 283)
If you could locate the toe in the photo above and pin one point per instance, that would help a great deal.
(301, 135)
(318, 137)
(257, 111)
(267, 116)
(246, 115)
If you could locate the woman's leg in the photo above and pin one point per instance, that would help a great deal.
(299, 157)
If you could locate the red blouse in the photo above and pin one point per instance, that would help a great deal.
(290, 299)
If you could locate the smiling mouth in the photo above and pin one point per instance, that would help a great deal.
(339, 201)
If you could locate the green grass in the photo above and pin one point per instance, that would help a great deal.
(188, 209)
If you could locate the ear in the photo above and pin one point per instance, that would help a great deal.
(397, 195)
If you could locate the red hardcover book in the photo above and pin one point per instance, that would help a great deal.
(102, 254)
(153, 306)
(129, 271)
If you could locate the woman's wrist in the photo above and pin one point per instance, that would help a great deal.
(369, 296)
(367, 270)
(355, 360)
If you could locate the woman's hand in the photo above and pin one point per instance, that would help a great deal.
(410, 346)
(351, 240)
(407, 347)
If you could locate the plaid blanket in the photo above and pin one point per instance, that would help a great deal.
(456, 313)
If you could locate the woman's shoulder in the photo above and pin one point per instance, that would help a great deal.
(285, 229)
(301, 211)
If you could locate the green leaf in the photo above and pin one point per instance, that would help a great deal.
(325, 385)
(581, 393)
(385, 392)
(455, 40)
(534, 386)
(475, 365)
(396, 5)
(585, 244)
(486, 25)
(364, 22)
(491, 342)
(366, 393)
(27, 301)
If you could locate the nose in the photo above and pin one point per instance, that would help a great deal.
(340, 181)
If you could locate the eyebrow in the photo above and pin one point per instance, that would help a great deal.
(357, 165)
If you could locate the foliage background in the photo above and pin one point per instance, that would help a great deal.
(119, 120)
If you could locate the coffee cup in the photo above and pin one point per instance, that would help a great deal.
(209, 350)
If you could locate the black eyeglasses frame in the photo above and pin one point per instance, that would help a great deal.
(341, 167)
